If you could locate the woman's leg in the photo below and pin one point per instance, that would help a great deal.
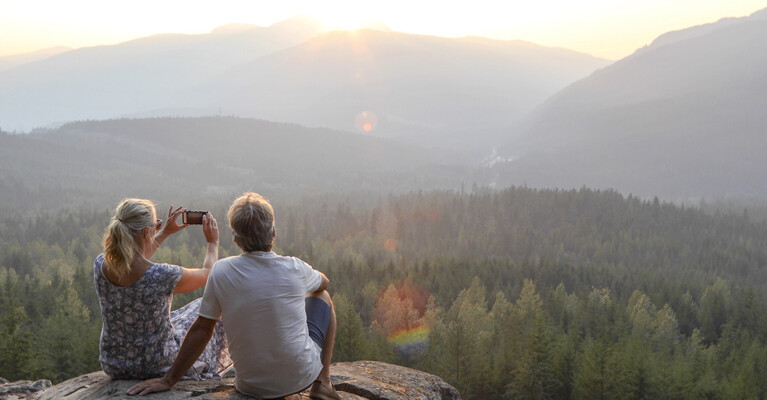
(214, 360)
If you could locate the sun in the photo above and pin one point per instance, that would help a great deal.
(346, 16)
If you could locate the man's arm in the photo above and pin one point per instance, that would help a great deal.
(323, 283)
(194, 343)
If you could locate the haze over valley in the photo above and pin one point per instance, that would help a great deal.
(679, 118)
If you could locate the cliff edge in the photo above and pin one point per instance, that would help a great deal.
(353, 380)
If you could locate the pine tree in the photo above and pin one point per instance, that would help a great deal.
(533, 374)
(350, 333)
(533, 377)
(592, 380)
(632, 369)
(597, 317)
(704, 367)
(68, 343)
(467, 341)
(665, 330)
(14, 338)
(713, 311)
(744, 381)
(641, 312)
(564, 364)
(434, 358)
(502, 358)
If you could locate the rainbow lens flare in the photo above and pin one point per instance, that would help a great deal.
(399, 314)
(410, 341)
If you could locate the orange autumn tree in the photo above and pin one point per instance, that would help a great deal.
(398, 314)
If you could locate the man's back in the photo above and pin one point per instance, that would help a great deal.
(260, 297)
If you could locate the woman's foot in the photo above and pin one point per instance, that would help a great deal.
(321, 391)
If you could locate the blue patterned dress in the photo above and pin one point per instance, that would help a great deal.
(140, 336)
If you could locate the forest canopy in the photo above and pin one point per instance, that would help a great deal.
(517, 293)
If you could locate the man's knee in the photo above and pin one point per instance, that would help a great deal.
(324, 296)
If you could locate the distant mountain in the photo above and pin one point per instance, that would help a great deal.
(139, 75)
(420, 88)
(700, 30)
(98, 162)
(425, 89)
(8, 62)
(376, 25)
(682, 117)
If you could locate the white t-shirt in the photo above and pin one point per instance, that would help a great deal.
(260, 299)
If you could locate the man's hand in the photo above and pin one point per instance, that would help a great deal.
(149, 386)
(194, 343)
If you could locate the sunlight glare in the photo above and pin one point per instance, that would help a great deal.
(345, 15)
(366, 121)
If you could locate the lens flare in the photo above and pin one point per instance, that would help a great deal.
(399, 313)
(390, 244)
(410, 341)
(366, 121)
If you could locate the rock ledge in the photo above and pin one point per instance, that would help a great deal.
(21, 389)
(353, 380)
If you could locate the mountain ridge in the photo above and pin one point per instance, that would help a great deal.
(678, 119)
(438, 87)
(148, 75)
(703, 29)
(137, 75)
(97, 162)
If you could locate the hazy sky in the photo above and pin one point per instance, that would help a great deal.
(606, 28)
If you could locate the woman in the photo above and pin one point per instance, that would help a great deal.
(139, 335)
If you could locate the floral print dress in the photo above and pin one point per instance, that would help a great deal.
(140, 336)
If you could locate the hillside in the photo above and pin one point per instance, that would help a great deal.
(423, 89)
(8, 62)
(98, 162)
(680, 118)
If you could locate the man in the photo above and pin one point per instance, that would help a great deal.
(279, 319)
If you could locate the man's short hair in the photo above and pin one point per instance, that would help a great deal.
(252, 220)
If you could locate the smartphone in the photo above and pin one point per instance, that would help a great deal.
(193, 217)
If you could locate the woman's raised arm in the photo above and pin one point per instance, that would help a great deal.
(192, 279)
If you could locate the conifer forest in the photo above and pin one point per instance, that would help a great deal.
(518, 293)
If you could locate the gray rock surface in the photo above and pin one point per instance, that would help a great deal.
(380, 381)
(21, 389)
(353, 380)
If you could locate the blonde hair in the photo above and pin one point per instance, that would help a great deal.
(122, 237)
(252, 220)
